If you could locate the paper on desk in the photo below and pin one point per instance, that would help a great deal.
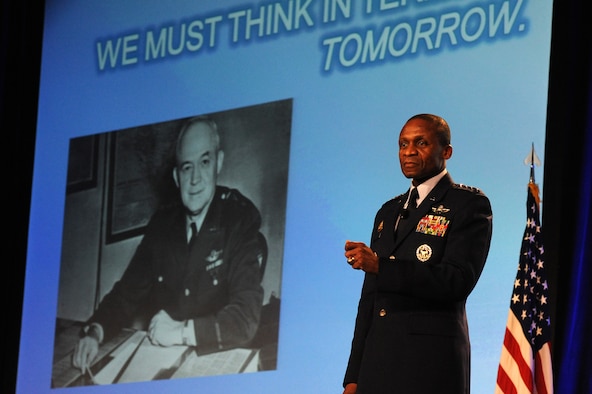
(153, 362)
(120, 356)
(222, 363)
(138, 360)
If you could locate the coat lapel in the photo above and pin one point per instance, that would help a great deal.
(177, 246)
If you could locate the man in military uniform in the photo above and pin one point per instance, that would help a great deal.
(427, 251)
(196, 270)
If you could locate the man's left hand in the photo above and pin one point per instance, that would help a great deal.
(165, 331)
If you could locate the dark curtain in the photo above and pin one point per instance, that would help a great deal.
(567, 191)
(21, 26)
(567, 196)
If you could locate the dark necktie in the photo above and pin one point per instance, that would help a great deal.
(193, 232)
(411, 205)
(413, 199)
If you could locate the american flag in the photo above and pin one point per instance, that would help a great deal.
(525, 363)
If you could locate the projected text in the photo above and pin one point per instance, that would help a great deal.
(407, 28)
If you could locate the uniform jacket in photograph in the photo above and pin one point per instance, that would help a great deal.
(214, 280)
(411, 334)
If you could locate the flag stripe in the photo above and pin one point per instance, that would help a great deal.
(543, 370)
(510, 382)
(520, 351)
(524, 349)
(519, 371)
(504, 383)
(515, 365)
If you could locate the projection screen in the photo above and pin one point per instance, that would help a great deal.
(309, 97)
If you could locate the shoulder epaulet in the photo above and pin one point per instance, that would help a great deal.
(229, 194)
(395, 199)
(233, 196)
(467, 188)
(399, 197)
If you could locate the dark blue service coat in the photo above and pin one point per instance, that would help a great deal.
(411, 334)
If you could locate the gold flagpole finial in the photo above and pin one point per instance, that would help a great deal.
(531, 160)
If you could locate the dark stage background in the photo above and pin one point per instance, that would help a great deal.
(567, 217)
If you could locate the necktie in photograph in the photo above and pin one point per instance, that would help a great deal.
(193, 232)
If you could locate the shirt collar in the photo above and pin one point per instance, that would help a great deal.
(426, 187)
(198, 220)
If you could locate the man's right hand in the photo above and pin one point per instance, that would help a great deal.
(85, 352)
(350, 388)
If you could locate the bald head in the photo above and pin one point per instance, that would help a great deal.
(424, 147)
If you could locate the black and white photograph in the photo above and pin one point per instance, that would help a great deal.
(172, 249)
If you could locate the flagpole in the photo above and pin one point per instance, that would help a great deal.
(532, 164)
(531, 160)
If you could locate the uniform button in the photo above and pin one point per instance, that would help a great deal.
(391, 257)
(160, 278)
(186, 292)
(382, 313)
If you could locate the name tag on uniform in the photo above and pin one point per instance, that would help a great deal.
(433, 225)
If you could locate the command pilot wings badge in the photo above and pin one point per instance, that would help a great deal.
(215, 260)
(440, 209)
